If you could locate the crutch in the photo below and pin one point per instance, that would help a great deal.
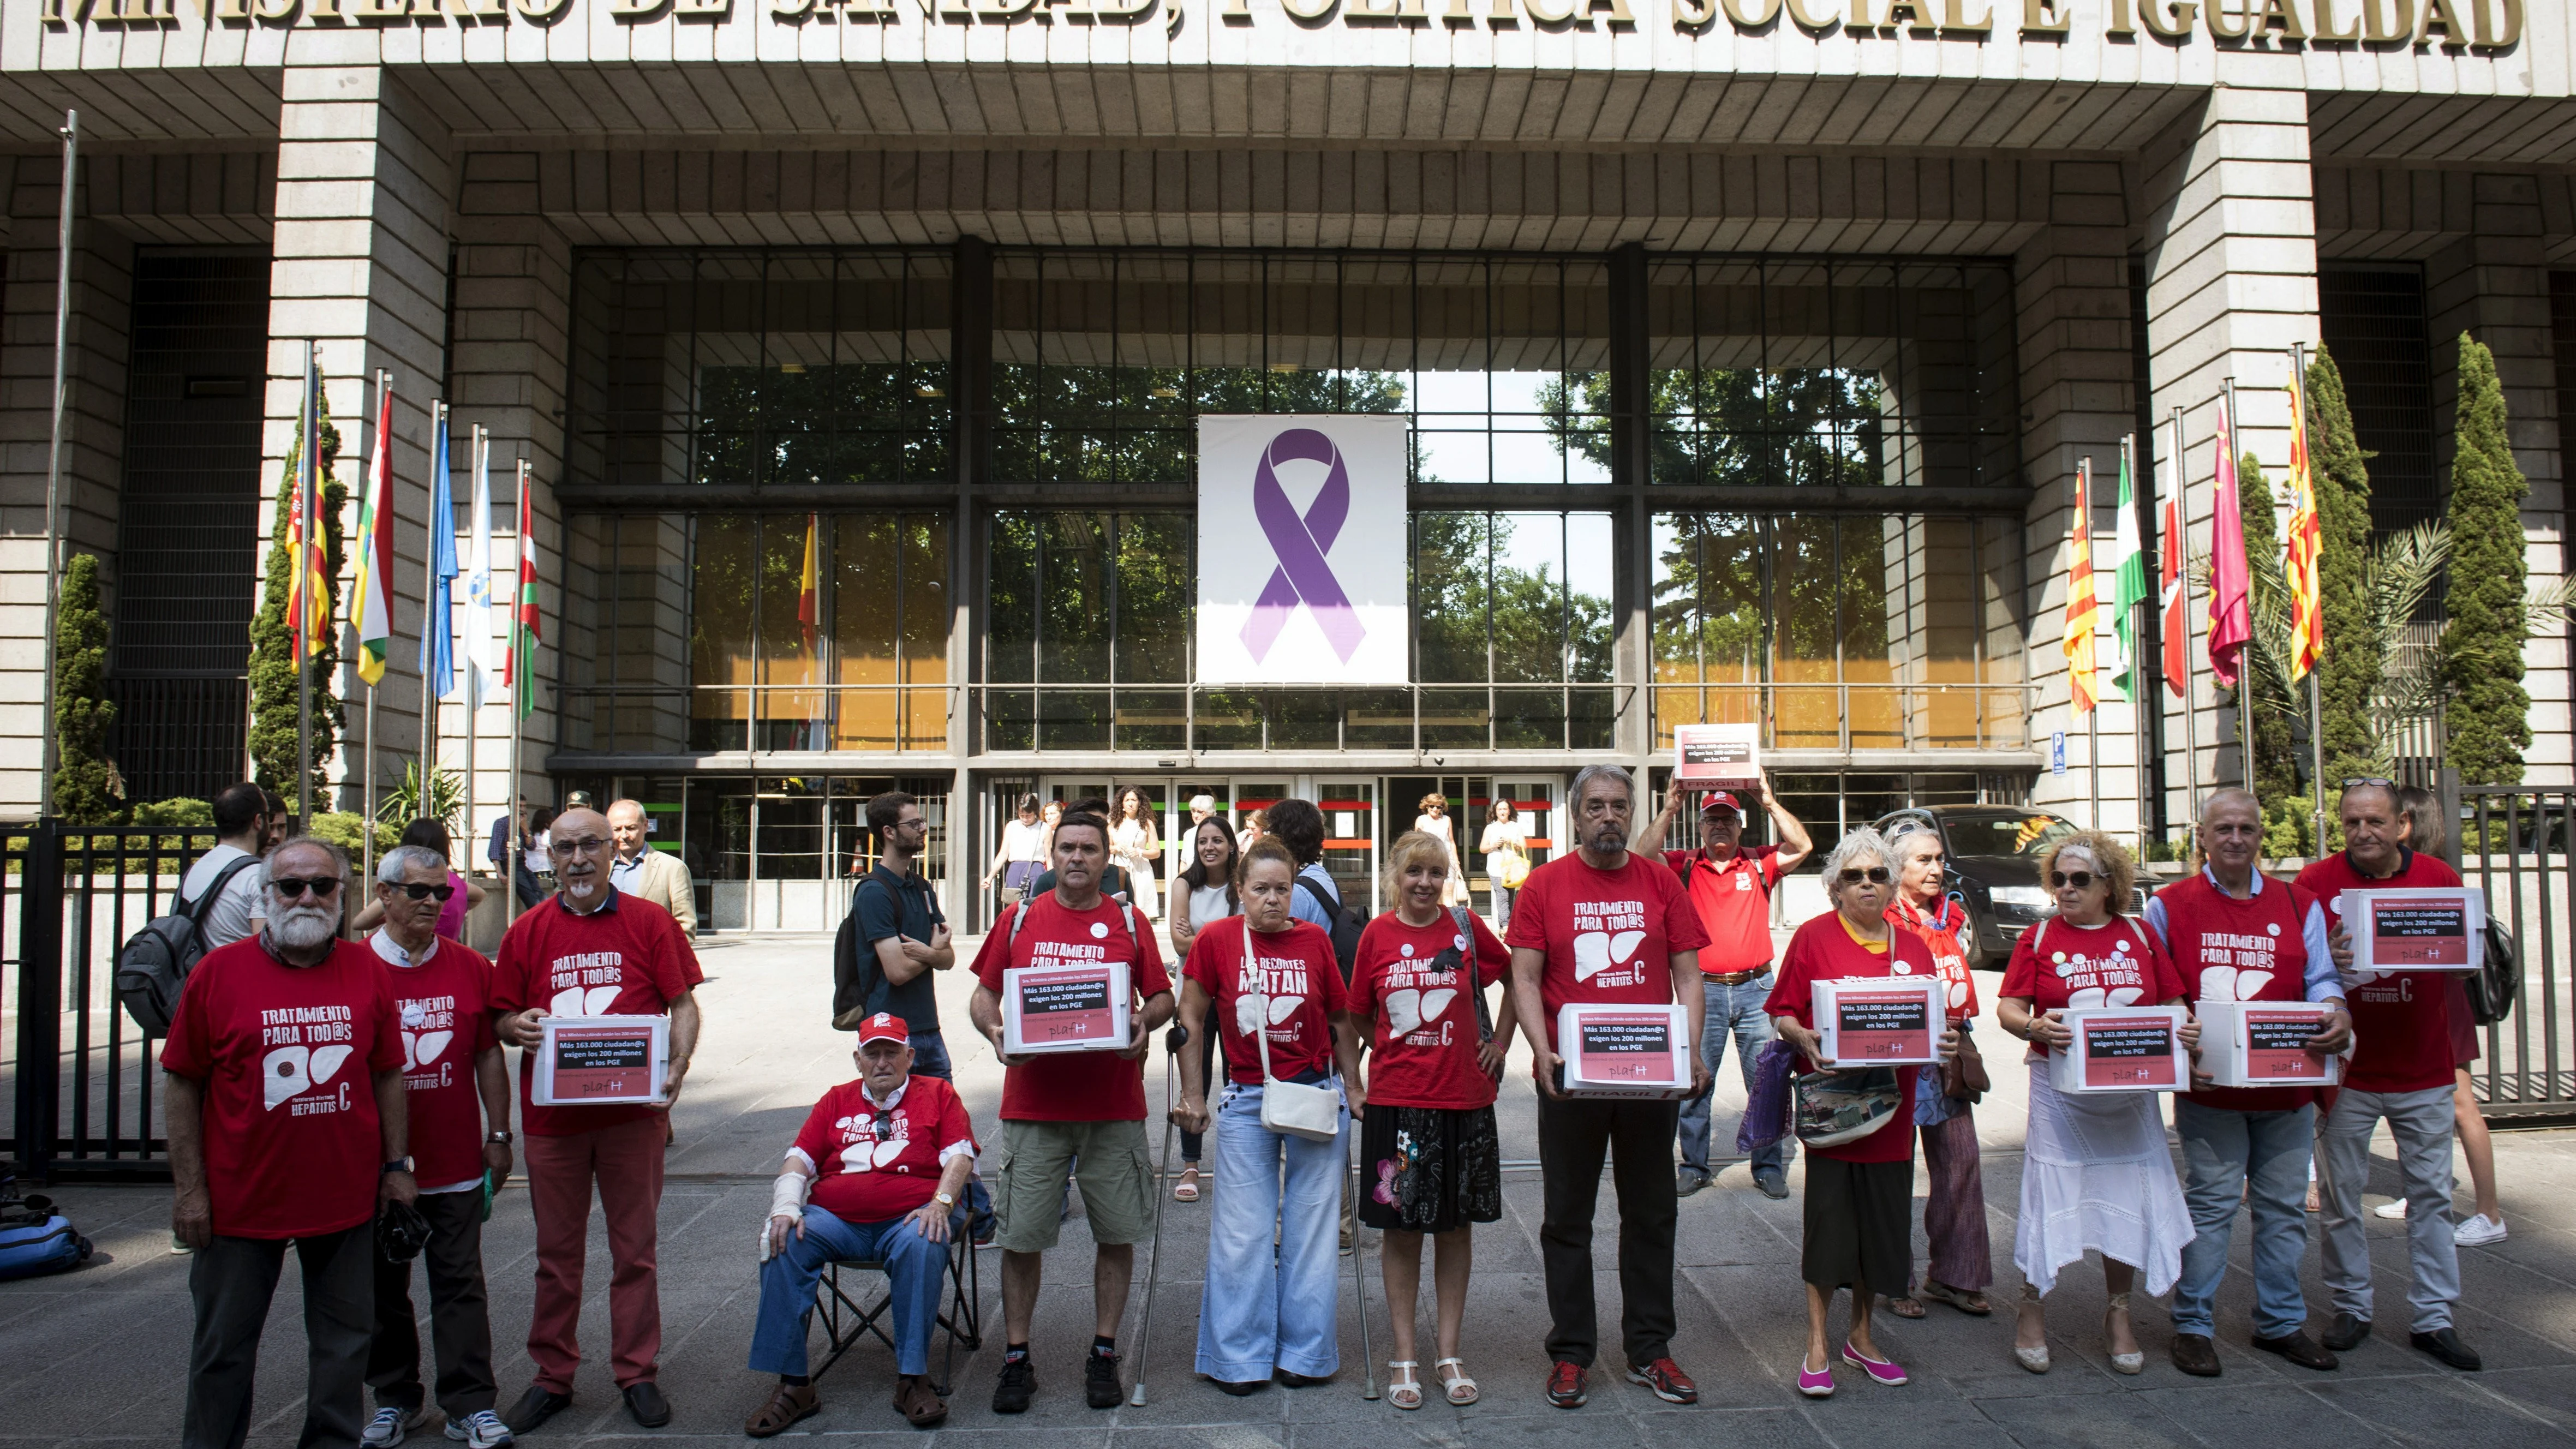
(1154, 1269)
(1359, 1277)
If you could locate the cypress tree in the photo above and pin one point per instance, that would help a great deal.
(2487, 720)
(2353, 664)
(272, 658)
(87, 788)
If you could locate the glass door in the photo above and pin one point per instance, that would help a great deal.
(1534, 806)
(1350, 839)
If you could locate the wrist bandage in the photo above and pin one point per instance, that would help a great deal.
(786, 1200)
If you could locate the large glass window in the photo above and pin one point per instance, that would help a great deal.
(1087, 607)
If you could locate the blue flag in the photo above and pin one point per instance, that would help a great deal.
(438, 629)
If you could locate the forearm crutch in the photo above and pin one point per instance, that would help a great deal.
(1359, 1276)
(1154, 1265)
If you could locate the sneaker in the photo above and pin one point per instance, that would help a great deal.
(1688, 1180)
(1018, 1383)
(1773, 1181)
(2478, 1231)
(1100, 1386)
(1565, 1385)
(2395, 1211)
(391, 1422)
(1667, 1380)
(482, 1429)
(179, 1246)
(1880, 1370)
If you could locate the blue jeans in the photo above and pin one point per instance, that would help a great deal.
(914, 1267)
(930, 1059)
(1737, 1011)
(1269, 1306)
(1504, 896)
(2222, 1150)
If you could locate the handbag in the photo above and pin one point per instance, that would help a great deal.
(1839, 1105)
(1514, 870)
(1963, 1076)
(1019, 875)
(1296, 1109)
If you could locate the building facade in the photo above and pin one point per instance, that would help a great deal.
(1748, 350)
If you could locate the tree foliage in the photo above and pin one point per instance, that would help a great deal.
(2487, 720)
(2355, 651)
(1792, 426)
(273, 681)
(87, 788)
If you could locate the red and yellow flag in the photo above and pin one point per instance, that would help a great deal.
(809, 594)
(2083, 605)
(2306, 538)
(308, 593)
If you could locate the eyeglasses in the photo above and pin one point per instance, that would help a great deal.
(420, 892)
(588, 845)
(289, 887)
(2082, 880)
(1875, 875)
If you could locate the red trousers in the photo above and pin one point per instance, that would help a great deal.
(626, 1161)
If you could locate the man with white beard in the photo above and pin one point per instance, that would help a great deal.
(287, 1123)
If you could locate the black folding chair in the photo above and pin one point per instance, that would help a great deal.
(845, 1322)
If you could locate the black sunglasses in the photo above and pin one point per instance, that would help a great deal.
(2082, 880)
(2357, 781)
(424, 892)
(290, 887)
(1875, 875)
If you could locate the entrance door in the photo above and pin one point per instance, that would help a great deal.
(1534, 806)
(1178, 828)
(1350, 839)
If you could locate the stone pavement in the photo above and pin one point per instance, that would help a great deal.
(101, 1355)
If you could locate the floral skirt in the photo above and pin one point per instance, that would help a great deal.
(1429, 1169)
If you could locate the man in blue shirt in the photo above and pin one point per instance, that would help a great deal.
(1299, 824)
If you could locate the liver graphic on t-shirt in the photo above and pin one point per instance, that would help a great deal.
(291, 1071)
(1599, 951)
(1407, 1010)
(1247, 1011)
(574, 1001)
(866, 1152)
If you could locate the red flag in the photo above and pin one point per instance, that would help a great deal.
(2305, 541)
(2231, 617)
(2083, 604)
(809, 593)
(519, 670)
(2177, 612)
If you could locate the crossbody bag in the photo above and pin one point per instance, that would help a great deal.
(1297, 1109)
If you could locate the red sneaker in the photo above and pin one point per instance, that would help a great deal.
(1668, 1381)
(1565, 1385)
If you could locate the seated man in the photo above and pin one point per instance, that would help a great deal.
(884, 1160)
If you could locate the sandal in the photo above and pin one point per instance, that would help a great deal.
(1404, 1392)
(788, 1404)
(2127, 1363)
(1462, 1389)
(1188, 1191)
(1906, 1307)
(1970, 1301)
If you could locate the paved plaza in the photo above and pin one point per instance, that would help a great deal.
(100, 1355)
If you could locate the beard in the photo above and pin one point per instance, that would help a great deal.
(302, 927)
(1610, 842)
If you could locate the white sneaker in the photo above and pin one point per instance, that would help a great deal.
(480, 1430)
(2478, 1231)
(391, 1422)
(2394, 1210)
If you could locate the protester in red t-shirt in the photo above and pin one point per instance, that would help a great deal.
(2097, 1175)
(876, 1173)
(1429, 1158)
(287, 1123)
(459, 1105)
(1730, 884)
(1954, 1210)
(591, 950)
(1860, 1194)
(1079, 1112)
(1604, 924)
(2402, 1069)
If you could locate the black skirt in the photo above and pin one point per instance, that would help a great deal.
(1428, 1169)
(1860, 1225)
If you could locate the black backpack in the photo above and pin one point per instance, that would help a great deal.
(153, 966)
(857, 975)
(2497, 982)
(1347, 924)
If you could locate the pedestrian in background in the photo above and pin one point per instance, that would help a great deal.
(1022, 855)
(1507, 863)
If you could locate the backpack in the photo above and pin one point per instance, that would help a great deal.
(35, 1239)
(857, 976)
(153, 965)
(1020, 918)
(1347, 924)
(2497, 982)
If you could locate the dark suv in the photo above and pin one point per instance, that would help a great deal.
(1993, 853)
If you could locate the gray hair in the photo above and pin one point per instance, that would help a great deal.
(403, 859)
(1590, 773)
(339, 857)
(1853, 846)
(1907, 844)
(2234, 796)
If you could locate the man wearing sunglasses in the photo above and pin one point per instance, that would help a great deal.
(459, 1106)
(2234, 936)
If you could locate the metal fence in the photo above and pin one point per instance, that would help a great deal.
(2514, 844)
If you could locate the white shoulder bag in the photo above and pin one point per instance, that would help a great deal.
(1295, 1108)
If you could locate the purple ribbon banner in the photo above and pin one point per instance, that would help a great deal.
(1300, 543)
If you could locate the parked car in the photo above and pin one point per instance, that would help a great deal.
(1993, 868)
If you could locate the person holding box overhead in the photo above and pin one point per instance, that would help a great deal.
(2096, 1175)
(2402, 1070)
(2234, 936)
(1860, 1189)
(1602, 924)
(1062, 1107)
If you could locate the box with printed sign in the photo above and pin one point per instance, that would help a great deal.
(2264, 1044)
(1070, 1007)
(1609, 1050)
(1718, 756)
(2122, 1049)
(1881, 1021)
(2435, 928)
(600, 1061)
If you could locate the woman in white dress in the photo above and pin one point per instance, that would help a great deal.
(1133, 844)
(2096, 1174)
(1434, 822)
(1506, 848)
(1022, 856)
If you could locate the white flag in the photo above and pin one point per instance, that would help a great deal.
(482, 662)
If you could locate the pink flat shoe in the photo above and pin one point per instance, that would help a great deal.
(1882, 1371)
(1815, 1383)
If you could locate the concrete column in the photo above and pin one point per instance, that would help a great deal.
(360, 265)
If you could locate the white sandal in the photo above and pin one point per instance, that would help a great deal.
(1404, 1393)
(2127, 1363)
(1462, 1389)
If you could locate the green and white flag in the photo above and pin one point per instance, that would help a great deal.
(2128, 567)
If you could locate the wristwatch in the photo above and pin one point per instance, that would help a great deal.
(943, 1199)
(399, 1164)
(501, 1137)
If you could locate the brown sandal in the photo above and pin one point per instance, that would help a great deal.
(791, 1404)
(1967, 1300)
(918, 1402)
(1905, 1307)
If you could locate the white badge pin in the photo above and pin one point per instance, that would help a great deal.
(2272, 929)
(1099, 930)
(1405, 950)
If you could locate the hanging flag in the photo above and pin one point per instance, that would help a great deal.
(2231, 617)
(2129, 578)
(2306, 537)
(438, 624)
(308, 597)
(2083, 608)
(373, 621)
(809, 595)
(2169, 563)
(479, 664)
(519, 671)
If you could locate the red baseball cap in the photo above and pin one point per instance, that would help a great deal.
(884, 1026)
(1720, 800)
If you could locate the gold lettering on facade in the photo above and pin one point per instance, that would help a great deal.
(2401, 12)
(1952, 20)
(1817, 24)
(1308, 9)
(2444, 14)
(2042, 17)
(2508, 32)
(2282, 17)
(1916, 15)
(2168, 19)
(1760, 13)
(2210, 12)
(1541, 15)
(2326, 27)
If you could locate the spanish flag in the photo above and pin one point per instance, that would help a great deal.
(2083, 607)
(809, 594)
(2307, 536)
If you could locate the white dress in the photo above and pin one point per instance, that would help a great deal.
(1128, 840)
(2097, 1174)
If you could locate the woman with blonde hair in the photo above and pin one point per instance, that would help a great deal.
(2096, 1174)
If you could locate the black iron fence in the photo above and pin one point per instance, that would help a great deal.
(2515, 845)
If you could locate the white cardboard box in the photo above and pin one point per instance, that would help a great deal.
(1614, 1050)
(1718, 756)
(2258, 1044)
(1078, 1007)
(2122, 1049)
(2422, 929)
(601, 1061)
(1881, 1021)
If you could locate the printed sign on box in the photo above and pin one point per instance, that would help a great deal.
(1624, 1051)
(2264, 1044)
(1880, 1021)
(1065, 1008)
(1718, 756)
(2122, 1049)
(2436, 929)
(595, 1061)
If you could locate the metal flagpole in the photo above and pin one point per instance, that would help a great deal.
(2245, 670)
(2190, 675)
(474, 690)
(2093, 626)
(428, 604)
(54, 447)
(306, 466)
(2136, 654)
(516, 667)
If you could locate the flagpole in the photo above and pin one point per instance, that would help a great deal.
(474, 460)
(517, 667)
(2136, 660)
(2190, 675)
(2316, 706)
(306, 467)
(54, 448)
(2092, 626)
(367, 789)
(2245, 671)
(428, 607)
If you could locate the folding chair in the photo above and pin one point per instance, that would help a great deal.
(845, 1322)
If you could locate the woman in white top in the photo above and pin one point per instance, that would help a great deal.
(1434, 822)
(1133, 844)
(1022, 858)
(1202, 895)
(1506, 848)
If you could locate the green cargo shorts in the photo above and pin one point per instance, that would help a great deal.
(1108, 1161)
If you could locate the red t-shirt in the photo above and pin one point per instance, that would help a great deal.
(1423, 1041)
(873, 1166)
(1306, 993)
(2401, 1020)
(1609, 935)
(2225, 949)
(1095, 1086)
(1823, 950)
(444, 1006)
(1940, 935)
(1734, 905)
(2115, 964)
(627, 958)
(286, 1053)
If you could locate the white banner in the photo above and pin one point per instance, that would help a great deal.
(1302, 536)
